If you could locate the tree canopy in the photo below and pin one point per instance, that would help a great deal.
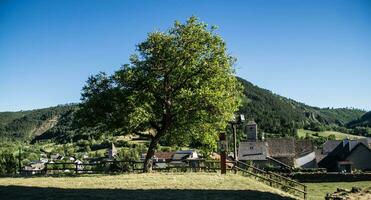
(180, 85)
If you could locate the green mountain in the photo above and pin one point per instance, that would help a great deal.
(274, 114)
(364, 121)
(277, 114)
(26, 125)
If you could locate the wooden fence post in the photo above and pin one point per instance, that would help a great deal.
(270, 181)
(46, 168)
(76, 168)
(223, 156)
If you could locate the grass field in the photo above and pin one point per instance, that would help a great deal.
(319, 190)
(139, 186)
(338, 135)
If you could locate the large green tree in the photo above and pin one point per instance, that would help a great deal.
(180, 86)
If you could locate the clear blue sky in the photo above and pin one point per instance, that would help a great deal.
(316, 52)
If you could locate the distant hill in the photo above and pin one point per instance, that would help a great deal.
(364, 121)
(26, 125)
(274, 114)
(277, 114)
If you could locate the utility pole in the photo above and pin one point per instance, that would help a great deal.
(19, 161)
(238, 120)
(234, 126)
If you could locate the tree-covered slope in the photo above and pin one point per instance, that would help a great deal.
(364, 121)
(26, 125)
(277, 114)
(273, 113)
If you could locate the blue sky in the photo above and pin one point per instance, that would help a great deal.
(316, 52)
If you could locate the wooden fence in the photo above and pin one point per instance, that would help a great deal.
(133, 166)
(273, 179)
(200, 165)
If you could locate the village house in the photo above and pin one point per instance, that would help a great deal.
(56, 157)
(162, 156)
(346, 155)
(34, 167)
(164, 159)
(276, 152)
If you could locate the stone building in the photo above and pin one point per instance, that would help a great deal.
(276, 152)
(252, 131)
(347, 156)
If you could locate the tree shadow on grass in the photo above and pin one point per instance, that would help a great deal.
(22, 192)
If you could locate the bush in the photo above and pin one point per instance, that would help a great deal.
(127, 156)
(8, 163)
(166, 149)
(122, 143)
(331, 137)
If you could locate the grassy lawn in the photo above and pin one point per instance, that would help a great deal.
(319, 190)
(338, 135)
(139, 186)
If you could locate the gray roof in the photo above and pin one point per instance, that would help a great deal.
(185, 152)
(330, 145)
(281, 147)
(251, 122)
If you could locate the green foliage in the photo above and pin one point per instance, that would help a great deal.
(180, 87)
(272, 113)
(124, 159)
(281, 116)
(362, 125)
(331, 137)
(24, 125)
(8, 163)
(341, 116)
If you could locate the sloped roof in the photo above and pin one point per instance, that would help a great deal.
(251, 122)
(164, 155)
(319, 155)
(303, 147)
(340, 153)
(329, 146)
(359, 145)
(281, 147)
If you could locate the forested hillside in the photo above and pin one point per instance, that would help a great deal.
(274, 114)
(25, 125)
(280, 115)
(364, 121)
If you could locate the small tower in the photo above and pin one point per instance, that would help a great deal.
(112, 152)
(252, 131)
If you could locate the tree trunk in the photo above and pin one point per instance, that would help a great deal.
(147, 166)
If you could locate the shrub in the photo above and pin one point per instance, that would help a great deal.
(8, 163)
(127, 156)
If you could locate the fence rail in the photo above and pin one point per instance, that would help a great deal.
(270, 178)
(130, 166)
(273, 179)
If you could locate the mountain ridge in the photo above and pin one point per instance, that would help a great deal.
(274, 113)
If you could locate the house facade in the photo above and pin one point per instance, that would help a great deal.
(347, 156)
